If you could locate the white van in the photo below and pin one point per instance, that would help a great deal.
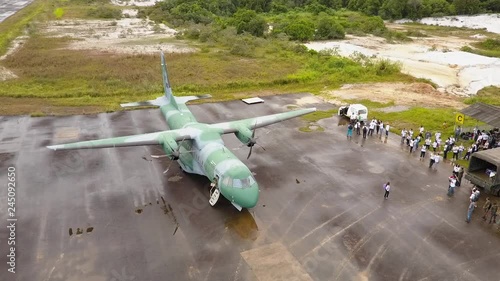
(354, 112)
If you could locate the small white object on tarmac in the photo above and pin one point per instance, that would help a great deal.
(252, 100)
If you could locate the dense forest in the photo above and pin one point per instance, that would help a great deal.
(205, 11)
(304, 20)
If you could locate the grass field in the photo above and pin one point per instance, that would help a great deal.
(64, 79)
(54, 80)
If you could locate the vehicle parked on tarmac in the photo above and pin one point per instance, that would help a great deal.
(357, 112)
(484, 169)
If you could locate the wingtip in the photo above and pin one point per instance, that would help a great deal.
(54, 147)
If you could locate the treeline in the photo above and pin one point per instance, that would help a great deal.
(266, 18)
(205, 10)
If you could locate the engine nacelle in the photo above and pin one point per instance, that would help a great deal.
(244, 135)
(170, 146)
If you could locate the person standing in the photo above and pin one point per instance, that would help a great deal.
(455, 152)
(387, 188)
(349, 131)
(403, 135)
(437, 158)
(451, 187)
(387, 127)
(365, 130)
(493, 213)
(469, 152)
(371, 128)
(460, 175)
(422, 153)
(472, 205)
(431, 160)
(381, 125)
(411, 146)
(434, 146)
(486, 207)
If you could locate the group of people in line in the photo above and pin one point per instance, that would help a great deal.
(360, 127)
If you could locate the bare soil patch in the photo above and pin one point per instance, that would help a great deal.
(402, 94)
(125, 36)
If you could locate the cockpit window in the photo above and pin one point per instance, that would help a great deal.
(243, 183)
(361, 111)
(227, 181)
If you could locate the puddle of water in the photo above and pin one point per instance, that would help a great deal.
(244, 225)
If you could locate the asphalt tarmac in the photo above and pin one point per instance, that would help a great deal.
(10, 7)
(111, 214)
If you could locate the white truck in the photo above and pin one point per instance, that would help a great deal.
(354, 112)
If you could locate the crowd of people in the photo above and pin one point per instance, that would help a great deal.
(424, 142)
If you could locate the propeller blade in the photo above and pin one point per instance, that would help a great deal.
(168, 168)
(159, 156)
(250, 152)
(260, 146)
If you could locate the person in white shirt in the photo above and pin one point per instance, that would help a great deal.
(427, 143)
(437, 159)
(387, 188)
(451, 187)
(431, 160)
(403, 135)
(422, 153)
(371, 128)
(434, 146)
(421, 129)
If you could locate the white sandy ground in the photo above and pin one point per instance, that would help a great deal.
(127, 35)
(435, 58)
(491, 22)
(138, 3)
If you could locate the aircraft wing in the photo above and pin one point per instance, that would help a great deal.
(261, 121)
(134, 140)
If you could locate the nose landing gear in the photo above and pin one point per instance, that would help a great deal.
(214, 194)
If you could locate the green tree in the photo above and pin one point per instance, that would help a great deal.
(301, 30)
(249, 21)
(392, 9)
(492, 5)
(260, 6)
(414, 9)
(467, 7)
(328, 28)
(435, 7)
(192, 12)
(371, 7)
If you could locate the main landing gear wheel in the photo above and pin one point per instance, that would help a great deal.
(214, 195)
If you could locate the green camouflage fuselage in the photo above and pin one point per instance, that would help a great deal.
(206, 155)
(198, 147)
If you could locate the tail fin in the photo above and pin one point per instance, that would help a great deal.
(168, 98)
(166, 83)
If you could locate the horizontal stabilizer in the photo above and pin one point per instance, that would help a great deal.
(190, 98)
(156, 102)
(164, 101)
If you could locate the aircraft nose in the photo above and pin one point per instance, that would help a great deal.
(244, 197)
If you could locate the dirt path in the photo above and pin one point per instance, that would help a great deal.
(414, 94)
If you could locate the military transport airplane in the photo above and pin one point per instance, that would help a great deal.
(198, 147)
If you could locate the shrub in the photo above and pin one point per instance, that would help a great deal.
(249, 21)
(302, 30)
(104, 12)
(328, 28)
